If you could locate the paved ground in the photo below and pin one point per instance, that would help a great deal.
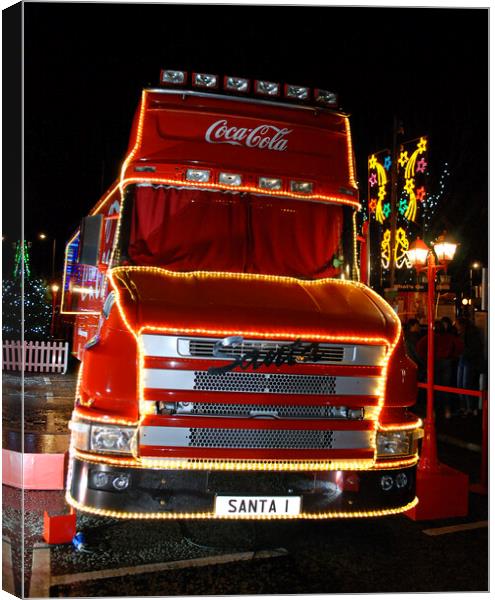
(392, 554)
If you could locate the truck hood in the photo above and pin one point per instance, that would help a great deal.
(227, 303)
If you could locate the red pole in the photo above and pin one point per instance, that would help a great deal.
(429, 458)
(54, 307)
(482, 486)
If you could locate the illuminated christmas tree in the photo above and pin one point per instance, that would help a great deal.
(37, 308)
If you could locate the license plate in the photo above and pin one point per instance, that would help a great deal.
(257, 505)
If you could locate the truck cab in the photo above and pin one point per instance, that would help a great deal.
(232, 365)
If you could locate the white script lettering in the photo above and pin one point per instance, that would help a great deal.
(264, 136)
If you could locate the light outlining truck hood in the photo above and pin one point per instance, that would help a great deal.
(205, 303)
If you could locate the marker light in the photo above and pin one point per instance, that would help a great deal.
(267, 88)
(324, 97)
(236, 84)
(301, 187)
(270, 183)
(173, 77)
(230, 179)
(198, 175)
(296, 91)
(203, 80)
(401, 480)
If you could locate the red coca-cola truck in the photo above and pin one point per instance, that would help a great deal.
(232, 365)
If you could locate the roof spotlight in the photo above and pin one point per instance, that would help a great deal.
(173, 77)
(204, 80)
(236, 84)
(267, 88)
(297, 92)
(324, 97)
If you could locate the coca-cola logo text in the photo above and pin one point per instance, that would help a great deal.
(263, 136)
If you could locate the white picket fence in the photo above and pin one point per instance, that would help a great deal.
(45, 357)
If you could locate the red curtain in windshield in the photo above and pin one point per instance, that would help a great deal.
(186, 230)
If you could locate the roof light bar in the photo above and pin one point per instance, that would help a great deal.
(204, 80)
(324, 97)
(301, 187)
(270, 183)
(297, 92)
(230, 179)
(173, 77)
(198, 175)
(267, 88)
(236, 84)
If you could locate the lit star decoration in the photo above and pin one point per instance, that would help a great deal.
(373, 180)
(420, 194)
(412, 165)
(403, 206)
(409, 187)
(422, 145)
(404, 158)
(421, 165)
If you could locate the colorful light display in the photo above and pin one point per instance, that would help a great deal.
(411, 202)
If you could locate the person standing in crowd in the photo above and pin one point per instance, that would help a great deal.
(447, 325)
(448, 349)
(471, 363)
(412, 335)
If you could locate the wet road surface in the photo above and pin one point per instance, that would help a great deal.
(136, 558)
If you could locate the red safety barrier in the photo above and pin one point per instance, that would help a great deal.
(482, 486)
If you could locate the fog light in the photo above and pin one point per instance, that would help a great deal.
(121, 482)
(401, 480)
(100, 479)
(386, 482)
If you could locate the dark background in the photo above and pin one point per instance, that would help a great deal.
(85, 65)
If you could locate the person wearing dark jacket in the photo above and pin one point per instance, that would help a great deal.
(412, 335)
(471, 363)
(448, 348)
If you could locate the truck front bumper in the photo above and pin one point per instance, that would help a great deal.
(157, 493)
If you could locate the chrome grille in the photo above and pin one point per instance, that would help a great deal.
(199, 348)
(264, 383)
(292, 411)
(260, 438)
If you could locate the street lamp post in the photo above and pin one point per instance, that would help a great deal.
(418, 254)
(54, 289)
(43, 236)
(436, 483)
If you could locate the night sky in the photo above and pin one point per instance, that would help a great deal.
(85, 65)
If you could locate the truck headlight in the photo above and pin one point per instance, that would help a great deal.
(393, 443)
(105, 438)
(102, 438)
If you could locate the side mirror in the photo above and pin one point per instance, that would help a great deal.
(91, 228)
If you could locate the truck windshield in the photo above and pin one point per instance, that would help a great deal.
(189, 230)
